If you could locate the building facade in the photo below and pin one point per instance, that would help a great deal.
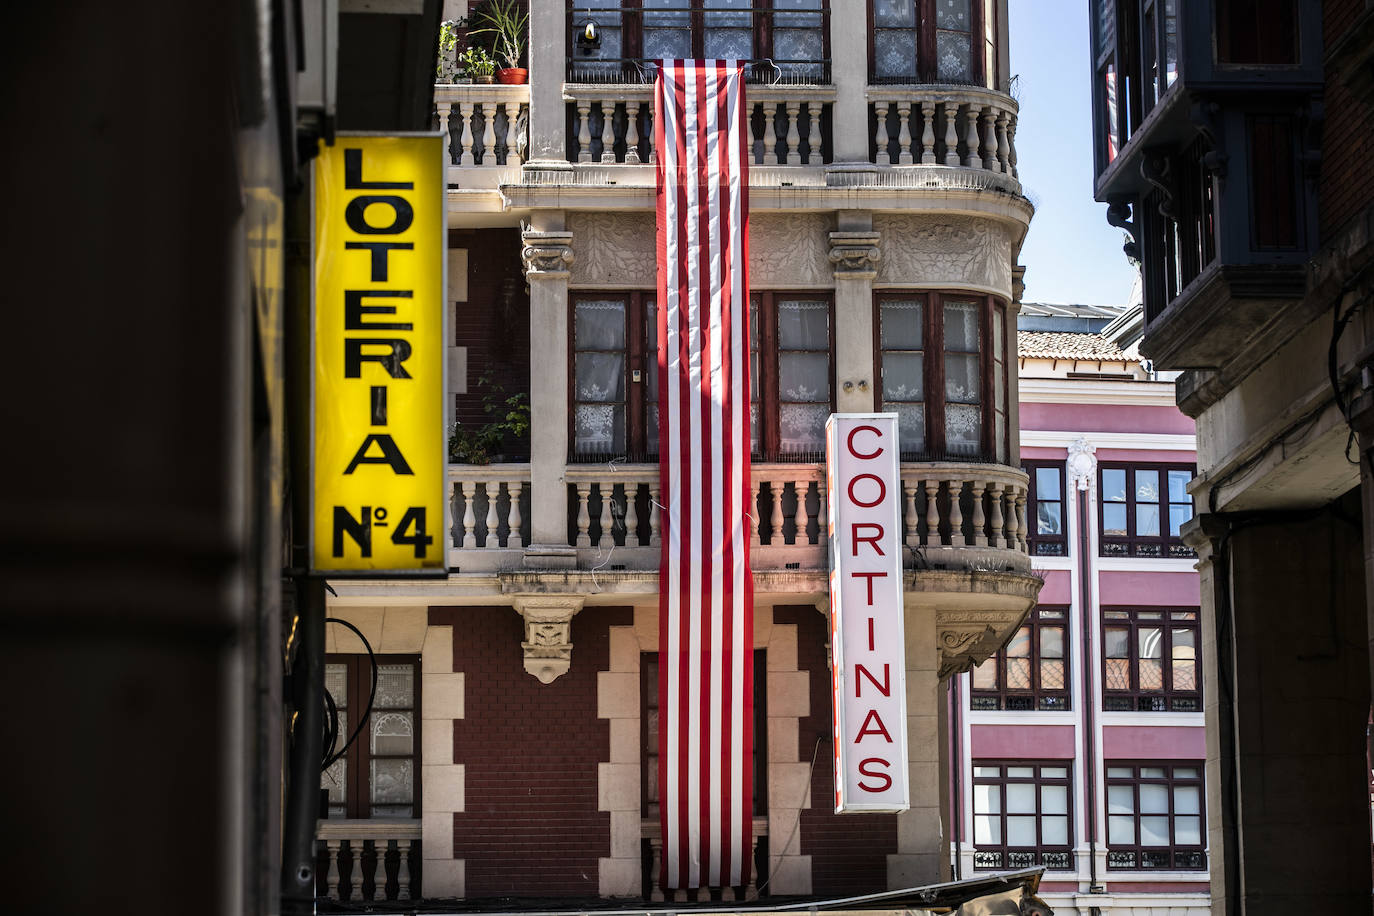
(1081, 746)
(1231, 142)
(511, 750)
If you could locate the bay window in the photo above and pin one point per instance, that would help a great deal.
(924, 41)
(1021, 814)
(1142, 509)
(1031, 671)
(1150, 660)
(1048, 536)
(1155, 816)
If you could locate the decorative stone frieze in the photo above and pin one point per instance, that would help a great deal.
(968, 637)
(789, 250)
(944, 249)
(617, 250)
(1082, 463)
(855, 255)
(546, 254)
(548, 633)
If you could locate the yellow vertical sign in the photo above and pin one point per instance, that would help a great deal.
(378, 388)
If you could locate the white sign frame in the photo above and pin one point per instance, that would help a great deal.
(868, 650)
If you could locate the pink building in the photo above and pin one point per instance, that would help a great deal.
(1080, 747)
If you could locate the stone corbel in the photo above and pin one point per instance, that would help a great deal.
(854, 255)
(546, 254)
(548, 633)
(967, 638)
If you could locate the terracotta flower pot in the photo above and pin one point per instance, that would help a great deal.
(513, 75)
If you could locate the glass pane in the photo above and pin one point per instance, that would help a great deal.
(1021, 831)
(894, 13)
(799, 44)
(911, 427)
(783, 19)
(961, 327)
(1052, 674)
(1113, 485)
(1120, 772)
(804, 377)
(662, 44)
(1106, 24)
(723, 14)
(1154, 799)
(1120, 799)
(1021, 798)
(1185, 773)
(987, 771)
(1019, 673)
(802, 427)
(1121, 830)
(600, 377)
(674, 14)
(393, 733)
(987, 799)
(1051, 642)
(1021, 772)
(963, 428)
(952, 51)
(392, 782)
(1020, 644)
(335, 778)
(894, 54)
(1151, 674)
(1154, 831)
(1114, 519)
(1117, 674)
(1151, 641)
(1187, 800)
(1054, 799)
(953, 14)
(1047, 483)
(599, 428)
(600, 325)
(1185, 675)
(1054, 831)
(1177, 516)
(1054, 772)
(962, 380)
(985, 675)
(1188, 831)
(1178, 486)
(1146, 520)
(903, 376)
(803, 325)
(395, 687)
(902, 325)
(729, 44)
(336, 682)
(1117, 642)
(987, 829)
(1147, 486)
(1048, 518)
(1152, 772)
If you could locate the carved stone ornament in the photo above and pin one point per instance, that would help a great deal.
(967, 638)
(854, 254)
(617, 250)
(546, 254)
(548, 634)
(790, 251)
(936, 249)
(1082, 463)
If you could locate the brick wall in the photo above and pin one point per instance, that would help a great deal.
(497, 337)
(848, 852)
(531, 827)
(1347, 182)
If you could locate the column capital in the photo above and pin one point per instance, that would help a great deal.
(548, 633)
(966, 637)
(546, 254)
(854, 255)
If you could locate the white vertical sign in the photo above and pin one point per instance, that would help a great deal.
(867, 636)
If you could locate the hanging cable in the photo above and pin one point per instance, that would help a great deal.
(371, 697)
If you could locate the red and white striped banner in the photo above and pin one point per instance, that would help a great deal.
(706, 602)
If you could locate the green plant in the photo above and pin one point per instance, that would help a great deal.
(508, 24)
(509, 416)
(446, 67)
(475, 61)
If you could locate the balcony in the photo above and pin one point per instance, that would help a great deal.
(369, 860)
(956, 517)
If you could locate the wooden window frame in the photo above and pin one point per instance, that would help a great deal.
(1194, 856)
(1167, 698)
(927, 64)
(358, 799)
(1039, 541)
(1134, 545)
(1037, 698)
(770, 403)
(1057, 857)
(934, 342)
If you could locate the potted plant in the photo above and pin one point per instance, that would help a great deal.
(477, 64)
(510, 417)
(508, 24)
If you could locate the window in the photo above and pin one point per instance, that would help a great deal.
(1257, 32)
(940, 399)
(945, 41)
(614, 370)
(1142, 508)
(379, 775)
(1149, 660)
(1031, 672)
(785, 39)
(1021, 815)
(1048, 535)
(1154, 815)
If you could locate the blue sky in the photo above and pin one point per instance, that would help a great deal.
(1071, 254)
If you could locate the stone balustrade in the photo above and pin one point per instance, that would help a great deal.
(370, 859)
(490, 505)
(486, 123)
(651, 831)
(944, 125)
(785, 123)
